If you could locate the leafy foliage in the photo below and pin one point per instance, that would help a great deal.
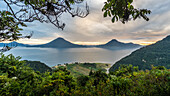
(9, 27)
(45, 10)
(123, 10)
(17, 79)
(20, 11)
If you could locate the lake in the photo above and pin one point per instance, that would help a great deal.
(52, 56)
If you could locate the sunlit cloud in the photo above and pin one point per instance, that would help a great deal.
(33, 41)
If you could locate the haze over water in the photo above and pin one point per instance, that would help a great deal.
(53, 56)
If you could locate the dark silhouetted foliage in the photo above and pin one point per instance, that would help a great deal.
(124, 11)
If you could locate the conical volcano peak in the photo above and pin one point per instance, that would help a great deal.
(61, 43)
(113, 40)
(60, 38)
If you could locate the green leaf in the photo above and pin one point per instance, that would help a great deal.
(22, 24)
(109, 13)
(113, 19)
(105, 13)
(20, 29)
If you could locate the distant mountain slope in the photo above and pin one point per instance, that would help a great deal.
(14, 44)
(62, 43)
(38, 66)
(113, 44)
(155, 54)
(59, 43)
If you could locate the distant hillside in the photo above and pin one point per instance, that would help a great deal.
(38, 66)
(78, 69)
(59, 43)
(14, 44)
(62, 43)
(114, 44)
(155, 54)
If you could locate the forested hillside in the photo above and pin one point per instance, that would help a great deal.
(38, 66)
(157, 54)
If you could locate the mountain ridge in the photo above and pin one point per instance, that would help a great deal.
(157, 54)
(113, 44)
(14, 43)
(62, 43)
(59, 43)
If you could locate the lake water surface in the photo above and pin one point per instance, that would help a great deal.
(52, 56)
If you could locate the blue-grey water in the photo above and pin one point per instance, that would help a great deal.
(52, 56)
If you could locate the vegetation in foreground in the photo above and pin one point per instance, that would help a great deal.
(18, 79)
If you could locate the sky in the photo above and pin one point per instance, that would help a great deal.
(95, 29)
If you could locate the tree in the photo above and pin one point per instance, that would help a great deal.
(124, 11)
(45, 10)
(9, 27)
(20, 11)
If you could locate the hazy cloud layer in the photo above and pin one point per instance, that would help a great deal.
(95, 28)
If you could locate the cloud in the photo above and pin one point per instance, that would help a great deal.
(96, 28)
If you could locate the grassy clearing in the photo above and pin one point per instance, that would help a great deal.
(77, 69)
